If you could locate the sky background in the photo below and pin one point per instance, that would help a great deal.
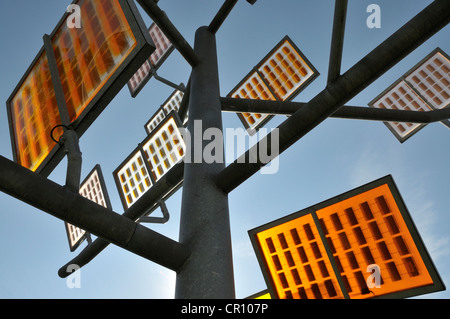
(337, 156)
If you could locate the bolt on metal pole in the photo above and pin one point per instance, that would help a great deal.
(205, 224)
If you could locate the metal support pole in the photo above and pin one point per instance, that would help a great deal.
(205, 224)
(337, 40)
(73, 208)
(420, 28)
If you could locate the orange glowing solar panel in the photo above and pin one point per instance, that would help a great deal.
(33, 113)
(94, 189)
(281, 75)
(92, 62)
(253, 88)
(330, 250)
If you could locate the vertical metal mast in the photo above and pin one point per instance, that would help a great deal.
(205, 224)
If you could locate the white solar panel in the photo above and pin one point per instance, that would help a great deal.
(160, 151)
(134, 178)
(163, 48)
(156, 119)
(173, 104)
(92, 188)
(165, 148)
(281, 75)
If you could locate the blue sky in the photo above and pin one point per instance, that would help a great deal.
(337, 156)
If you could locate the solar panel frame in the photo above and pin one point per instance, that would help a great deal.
(106, 92)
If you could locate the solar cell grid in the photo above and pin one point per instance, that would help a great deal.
(285, 71)
(92, 188)
(253, 88)
(298, 262)
(165, 148)
(359, 245)
(425, 87)
(369, 229)
(156, 119)
(34, 112)
(134, 178)
(402, 97)
(87, 58)
(162, 44)
(163, 49)
(432, 80)
(160, 151)
(171, 104)
(281, 75)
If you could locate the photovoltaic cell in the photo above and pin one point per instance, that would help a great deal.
(163, 48)
(285, 71)
(165, 148)
(403, 97)
(325, 251)
(298, 265)
(160, 151)
(380, 238)
(34, 112)
(159, 116)
(134, 178)
(171, 104)
(88, 56)
(432, 80)
(87, 59)
(281, 75)
(253, 88)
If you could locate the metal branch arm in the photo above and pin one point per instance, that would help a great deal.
(73, 208)
(345, 112)
(221, 15)
(410, 36)
(169, 30)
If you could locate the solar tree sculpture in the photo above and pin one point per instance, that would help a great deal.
(202, 255)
